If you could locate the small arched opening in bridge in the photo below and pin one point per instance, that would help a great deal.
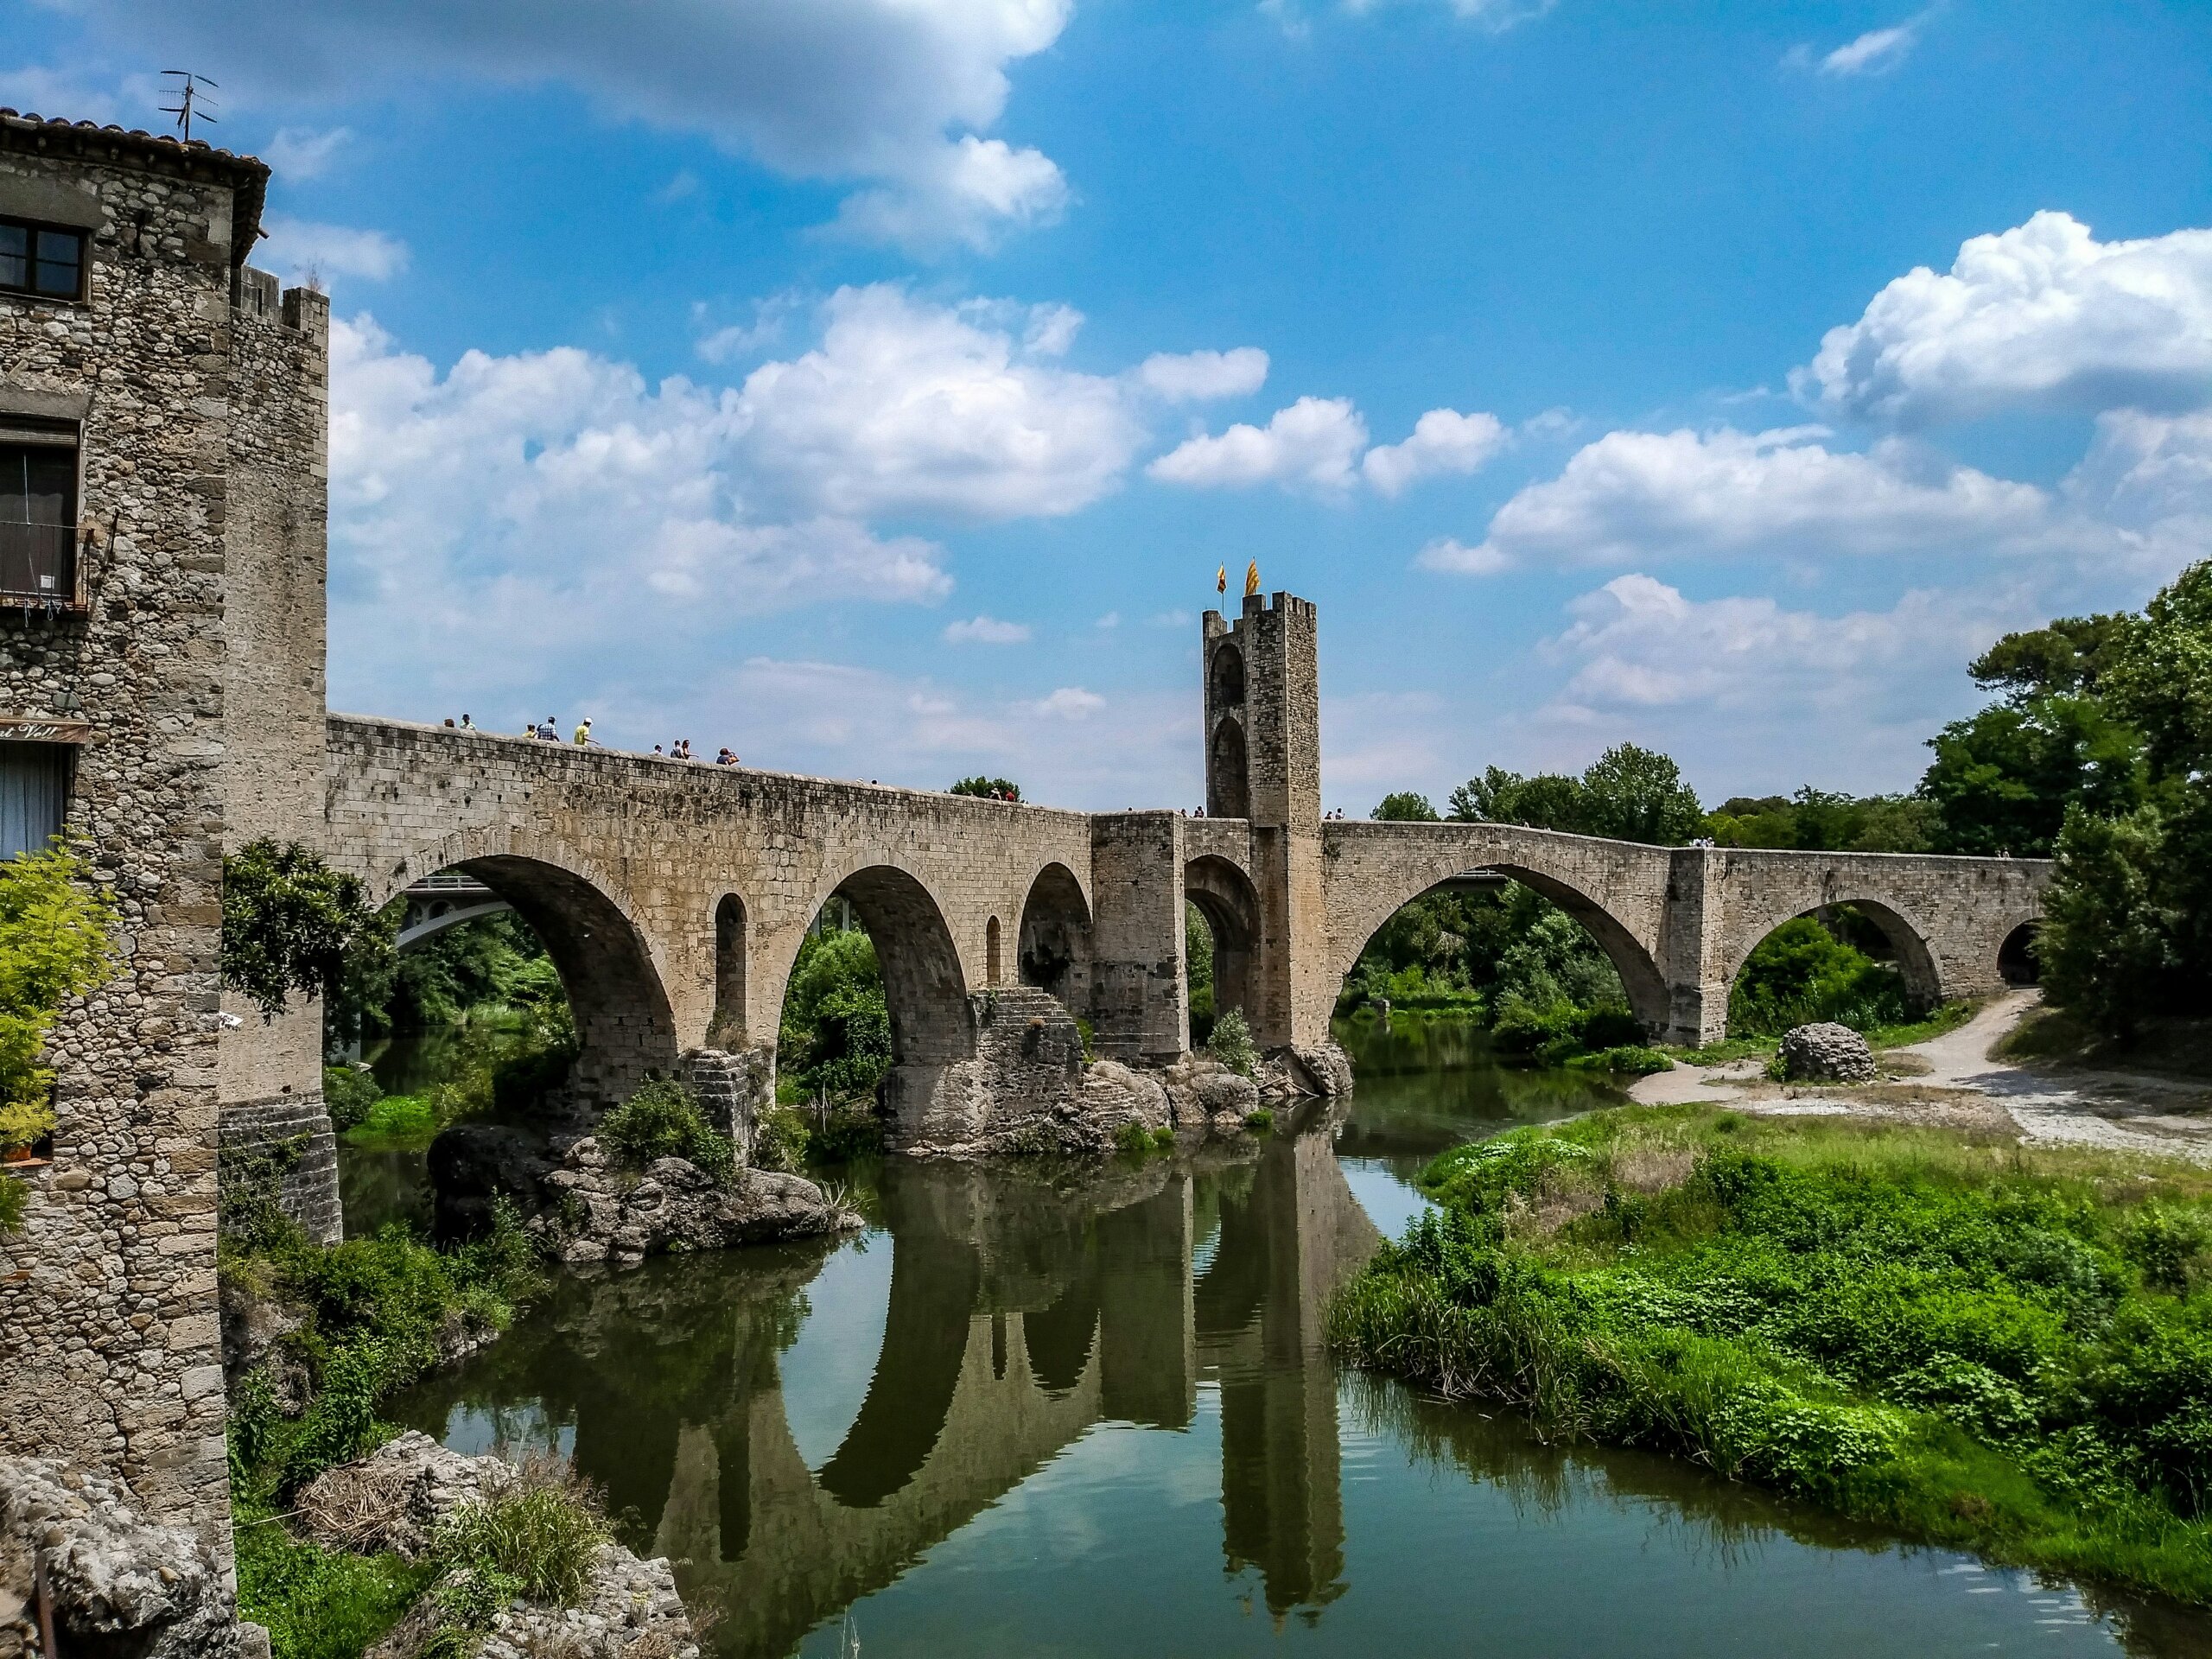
(877, 982)
(1515, 945)
(1226, 681)
(1228, 793)
(727, 1030)
(1054, 949)
(1221, 929)
(1857, 962)
(991, 975)
(2016, 961)
(537, 956)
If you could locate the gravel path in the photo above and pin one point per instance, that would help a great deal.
(1961, 1085)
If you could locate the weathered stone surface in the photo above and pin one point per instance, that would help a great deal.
(394, 1498)
(601, 1212)
(1204, 1094)
(116, 1586)
(632, 1611)
(1827, 1053)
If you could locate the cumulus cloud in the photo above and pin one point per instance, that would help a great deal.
(1312, 445)
(1876, 52)
(305, 152)
(1191, 377)
(1443, 441)
(1445, 553)
(1633, 497)
(1319, 445)
(899, 93)
(1496, 16)
(986, 631)
(1071, 703)
(906, 407)
(300, 247)
(2043, 315)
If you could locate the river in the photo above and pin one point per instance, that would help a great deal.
(1087, 1411)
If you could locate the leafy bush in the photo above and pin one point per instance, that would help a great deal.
(521, 1082)
(1801, 973)
(1259, 1121)
(1987, 1347)
(398, 1121)
(1626, 1059)
(347, 1094)
(14, 1196)
(1002, 788)
(288, 922)
(661, 1119)
(56, 942)
(319, 1604)
(1231, 1043)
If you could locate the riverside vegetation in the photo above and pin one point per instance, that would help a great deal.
(1975, 1344)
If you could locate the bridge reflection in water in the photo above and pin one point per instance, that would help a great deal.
(1021, 1311)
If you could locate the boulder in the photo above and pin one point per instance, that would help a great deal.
(394, 1498)
(604, 1213)
(630, 1611)
(117, 1587)
(1827, 1053)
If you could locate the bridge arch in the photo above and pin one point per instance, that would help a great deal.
(2016, 961)
(1226, 898)
(924, 986)
(1228, 792)
(625, 1026)
(1052, 948)
(1908, 938)
(726, 1030)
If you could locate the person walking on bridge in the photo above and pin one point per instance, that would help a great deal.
(583, 735)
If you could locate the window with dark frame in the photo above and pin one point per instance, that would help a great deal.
(45, 260)
(38, 512)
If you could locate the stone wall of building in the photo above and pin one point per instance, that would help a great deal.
(108, 1296)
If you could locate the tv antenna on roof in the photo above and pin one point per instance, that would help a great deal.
(190, 100)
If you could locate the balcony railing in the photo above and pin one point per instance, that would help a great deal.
(38, 562)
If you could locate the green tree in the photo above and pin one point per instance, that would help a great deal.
(836, 1035)
(2002, 780)
(2068, 657)
(1802, 973)
(1547, 801)
(1403, 806)
(289, 924)
(2108, 951)
(1637, 794)
(990, 788)
(57, 940)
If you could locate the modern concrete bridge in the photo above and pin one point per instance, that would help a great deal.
(673, 896)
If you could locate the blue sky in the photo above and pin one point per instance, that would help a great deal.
(875, 385)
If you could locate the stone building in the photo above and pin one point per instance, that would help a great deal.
(161, 498)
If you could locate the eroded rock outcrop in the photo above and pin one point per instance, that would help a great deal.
(602, 1213)
(113, 1584)
(1827, 1053)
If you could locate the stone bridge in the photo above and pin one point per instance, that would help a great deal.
(673, 896)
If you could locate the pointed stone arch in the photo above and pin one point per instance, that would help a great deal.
(1052, 949)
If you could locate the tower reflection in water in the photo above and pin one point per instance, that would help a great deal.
(1022, 1309)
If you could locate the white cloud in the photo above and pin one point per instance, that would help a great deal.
(1496, 16)
(1170, 619)
(734, 340)
(1191, 376)
(1443, 441)
(1071, 703)
(519, 514)
(1111, 619)
(299, 247)
(1319, 445)
(71, 94)
(970, 192)
(303, 152)
(902, 92)
(1876, 52)
(1312, 445)
(1737, 687)
(986, 631)
(2043, 315)
(910, 408)
(1457, 558)
(1633, 497)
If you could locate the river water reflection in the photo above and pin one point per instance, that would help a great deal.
(1089, 1412)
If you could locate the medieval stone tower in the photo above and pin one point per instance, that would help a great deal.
(1263, 764)
(162, 412)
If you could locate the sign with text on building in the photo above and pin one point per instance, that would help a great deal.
(32, 729)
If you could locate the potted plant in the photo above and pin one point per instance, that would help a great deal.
(23, 1125)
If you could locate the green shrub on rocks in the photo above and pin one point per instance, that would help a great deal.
(13, 1197)
(56, 941)
(661, 1119)
(1986, 1346)
(347, 1094)
(1231, 1043)
(1628, 1060)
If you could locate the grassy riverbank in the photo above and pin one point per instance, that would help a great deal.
(1998, 1347)
(341, 1328)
